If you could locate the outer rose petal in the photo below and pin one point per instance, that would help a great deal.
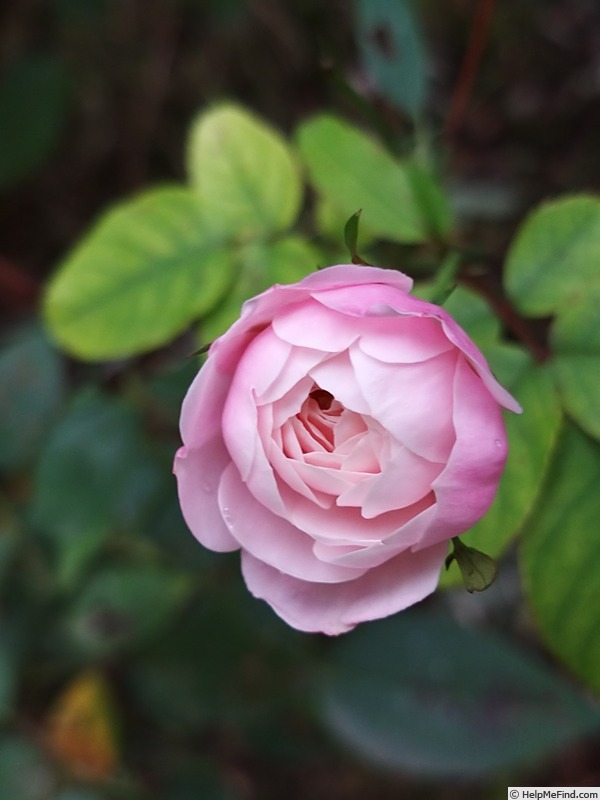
(337, 608)
(198, 474)
(467, 486)
(272, 539)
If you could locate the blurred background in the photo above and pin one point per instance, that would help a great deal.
(133, 663)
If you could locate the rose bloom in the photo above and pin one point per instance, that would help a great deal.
(339, 434)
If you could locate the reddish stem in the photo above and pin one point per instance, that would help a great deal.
(468, 71)
(16, 286)
(518, 325)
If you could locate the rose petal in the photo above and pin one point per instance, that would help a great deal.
(344, 527)
(337, 375)
(354, 275)
(310, 324)
(198, 472)
(412, 523)
(412, 401)
(270, 538)
(337, 608)
(202, 406)
(347, 300)
(406, 479)
(403, 339)
(467, 486)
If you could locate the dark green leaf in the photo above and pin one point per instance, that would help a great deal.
(420, 693)
(393, 52)
(86, 478)
(125, 606)
(24, 773)
(31, 390)
(477, 569)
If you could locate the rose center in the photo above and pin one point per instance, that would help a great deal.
(323, 397)
(319, 416)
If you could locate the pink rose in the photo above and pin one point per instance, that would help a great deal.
(339, 434)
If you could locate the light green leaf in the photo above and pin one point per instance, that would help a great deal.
(393, 51)
(147, 269)
(260, 266)
(560, 556)
(532, 438)
(420, 693)
(352, 171)
(431, 198)
(244, 173)
(31, 390)
(555, 255)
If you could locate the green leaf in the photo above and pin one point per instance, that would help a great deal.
(433, 201)
(8, 670)
(24, 772)
(578, 380)
(85, 477)
(260, 266)
(392, 49)
(477, 569)
(123, 606)
(244, 173)
(147, 269)
(532, 438)
(560, 556)
(555, 255)
(33, 105)
(575, 339)
(421, 694)
(31, 391)
(352, 170)
(351, 235)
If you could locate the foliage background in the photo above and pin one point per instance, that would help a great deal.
(133, 664)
